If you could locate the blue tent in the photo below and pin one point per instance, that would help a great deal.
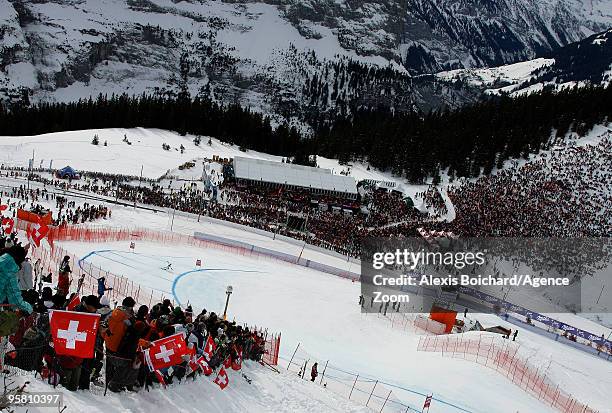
(67, 172)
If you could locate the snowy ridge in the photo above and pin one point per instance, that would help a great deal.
(488, 78)
(587, 62)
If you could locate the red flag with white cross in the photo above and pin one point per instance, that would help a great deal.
(237, 359)
(166, 352)
(204, 366)
(74, 334)
(222, 380)
(209, 348)
(37, 231)
(6, 223)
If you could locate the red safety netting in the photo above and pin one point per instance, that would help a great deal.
(502, 356)
(121, 286)
(271, 346)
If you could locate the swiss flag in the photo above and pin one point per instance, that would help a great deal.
(74, 334)
(205, 367)
(227, 363)
(237, 361)
(76, 300)
(193, 362)
(38, 231)
(222, 380)
(209, 348)
(7, 224)
(166, 352)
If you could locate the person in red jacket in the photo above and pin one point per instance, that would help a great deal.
(314, 372)
(63, 280)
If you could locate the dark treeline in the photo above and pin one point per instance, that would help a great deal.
(468, 141)
(231, 123)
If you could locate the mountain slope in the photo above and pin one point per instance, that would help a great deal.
(290, 58)
(587, 62)
(443, 34)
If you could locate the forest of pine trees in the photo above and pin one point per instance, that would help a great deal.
(468, 141)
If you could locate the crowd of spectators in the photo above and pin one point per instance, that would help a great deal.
(563, 193)
(67, 211)
(125, 332)
(70, 213)
(558, 194)
(433, 200)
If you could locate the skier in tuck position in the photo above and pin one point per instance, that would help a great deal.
(167, 267)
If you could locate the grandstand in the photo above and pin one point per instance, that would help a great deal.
(270, 174)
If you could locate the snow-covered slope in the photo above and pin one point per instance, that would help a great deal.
(501, 75)
(287, 57)
(74, 148)
(320, 311)
(268, 392)
(587, 62)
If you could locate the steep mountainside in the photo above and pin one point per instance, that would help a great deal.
(285, 57)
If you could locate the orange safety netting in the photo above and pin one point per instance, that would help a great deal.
(502, 356)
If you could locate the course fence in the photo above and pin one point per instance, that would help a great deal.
(502, 356)
(362, 390)
(122, 287)
(397, 319)
(374, 392)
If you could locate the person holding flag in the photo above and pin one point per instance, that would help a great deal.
(164, 353)
(209, 348)
(74, 338)
(237, 358)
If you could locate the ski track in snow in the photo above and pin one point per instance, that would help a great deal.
(309, 307)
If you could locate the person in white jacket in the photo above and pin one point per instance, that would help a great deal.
(24, 276)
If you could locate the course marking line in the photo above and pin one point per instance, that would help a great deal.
(176, 280)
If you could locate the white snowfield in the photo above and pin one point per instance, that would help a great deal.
(321, 313)
(268, 392)
(74, 148)
(512, 79)
(513, 73)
